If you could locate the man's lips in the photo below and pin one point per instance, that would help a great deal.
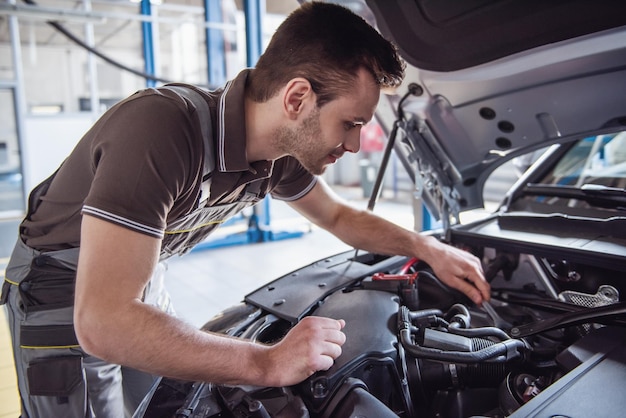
(334, 157)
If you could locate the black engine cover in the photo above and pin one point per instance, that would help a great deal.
(370, 353)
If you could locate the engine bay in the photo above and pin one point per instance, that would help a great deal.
(416, 348)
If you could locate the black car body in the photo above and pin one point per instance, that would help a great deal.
(488, 81)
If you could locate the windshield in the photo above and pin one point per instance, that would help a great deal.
(591, 174)
(597, 160)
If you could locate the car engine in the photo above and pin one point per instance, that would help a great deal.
(416, 348)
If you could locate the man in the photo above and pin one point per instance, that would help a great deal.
(144, 183)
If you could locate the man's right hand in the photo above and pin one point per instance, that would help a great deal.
(312, 345)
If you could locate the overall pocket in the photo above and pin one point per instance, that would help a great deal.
(55, 376)
(48, 285)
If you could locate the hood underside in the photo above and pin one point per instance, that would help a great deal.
(450, 35)
(500, 79)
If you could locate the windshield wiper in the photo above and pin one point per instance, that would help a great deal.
(598, 189)
(595, 194)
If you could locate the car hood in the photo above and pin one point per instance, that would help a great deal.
(493, 80)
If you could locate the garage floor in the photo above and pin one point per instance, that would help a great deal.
(207, 281)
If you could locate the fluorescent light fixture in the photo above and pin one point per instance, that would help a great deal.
(50, 109)
(47, 13)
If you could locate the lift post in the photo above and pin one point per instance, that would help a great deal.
(259, 222)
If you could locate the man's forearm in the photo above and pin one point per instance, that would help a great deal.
(147, 339)
(367, 231)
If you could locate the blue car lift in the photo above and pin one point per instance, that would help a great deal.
(148, 45)
(258, 228)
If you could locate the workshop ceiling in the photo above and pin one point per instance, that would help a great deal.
(116, 23)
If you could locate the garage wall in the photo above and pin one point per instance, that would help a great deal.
(47, 141)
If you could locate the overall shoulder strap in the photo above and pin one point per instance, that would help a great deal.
(204, 116)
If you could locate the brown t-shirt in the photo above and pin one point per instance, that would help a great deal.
(140, 166)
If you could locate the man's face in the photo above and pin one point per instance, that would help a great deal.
(326, 133)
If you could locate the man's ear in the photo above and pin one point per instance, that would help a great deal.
(298, 95)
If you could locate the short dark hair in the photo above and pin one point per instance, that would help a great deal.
(326, 44)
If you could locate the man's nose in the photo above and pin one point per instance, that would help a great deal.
(353, 143)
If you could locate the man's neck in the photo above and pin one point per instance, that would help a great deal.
(261, 124)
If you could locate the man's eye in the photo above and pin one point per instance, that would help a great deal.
(349, 125)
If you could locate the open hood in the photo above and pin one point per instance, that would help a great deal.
(498, 79)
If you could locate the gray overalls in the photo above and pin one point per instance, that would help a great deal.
(56, 378)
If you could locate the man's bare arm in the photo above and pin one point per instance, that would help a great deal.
(114, 324)
(365, 230)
